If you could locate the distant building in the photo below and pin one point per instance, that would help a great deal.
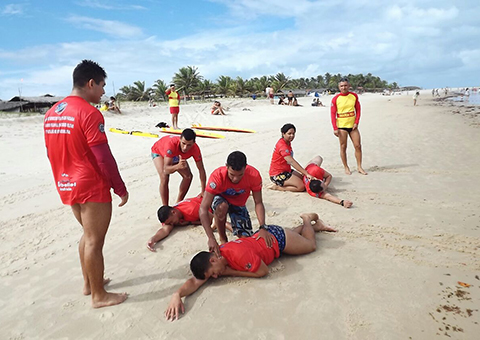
(39, 104)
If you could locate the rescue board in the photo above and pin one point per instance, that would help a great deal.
(221, 128)
(123, 132)
(198, 133)
(134, 133)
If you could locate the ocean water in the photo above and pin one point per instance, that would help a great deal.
(473, 99)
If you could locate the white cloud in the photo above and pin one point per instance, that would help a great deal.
(12, 9)
(108, 5)
(113, 28)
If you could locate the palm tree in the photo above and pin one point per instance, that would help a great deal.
(224, 85)
(204, 87)
(280, 82)
(187, 79)
(138, 92)
(159, 88)
(239, 87)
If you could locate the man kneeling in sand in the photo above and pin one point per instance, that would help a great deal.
(317, 188)
(181, 214)
(247, 257)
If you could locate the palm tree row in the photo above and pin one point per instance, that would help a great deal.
(189, 81)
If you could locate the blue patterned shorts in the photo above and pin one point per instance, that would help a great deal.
(239, 217)
(279, 234)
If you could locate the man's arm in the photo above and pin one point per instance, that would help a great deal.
(168, 166)
(262, 271)
(357, 111)
(176, 305)
(206, 222)
(202, 174)
(260, 212)
(333, 114)
(109, 169)
(327, 178)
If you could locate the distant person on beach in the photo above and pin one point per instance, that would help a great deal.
(281, 173)
(227, 191)
(290, 97)
(318, 187)
(467, 92)
(170, 155)
(112, 105)
(248, 257)
(446, 91)
(317, 102)
(281, 100)
(270, 94)
(183, 213)
(295, 102)
(174, 103)
(345, 115)
(433, 92)
(105, 106)
(85, 170)
(415, 97)
(217, 108)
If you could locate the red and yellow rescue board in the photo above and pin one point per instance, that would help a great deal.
(221, 128)
(198, 133)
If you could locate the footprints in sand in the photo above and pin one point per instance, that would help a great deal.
(453, 249)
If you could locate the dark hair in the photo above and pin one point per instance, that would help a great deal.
(189, 134)
(237, 160)
(163, 213)
(112, 98)
(87, 70)
(343, 79)
(287, 127)
(315, 186)
(200, 264)
(172, 85)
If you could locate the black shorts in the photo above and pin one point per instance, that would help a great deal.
(281, 178)
(346, 129)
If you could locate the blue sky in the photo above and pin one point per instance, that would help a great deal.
(424, 43)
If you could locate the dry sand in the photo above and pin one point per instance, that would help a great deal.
(391, 272)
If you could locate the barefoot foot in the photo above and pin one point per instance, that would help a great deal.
(363, 172)
(347, 170)
(347, 204)
(319, 225)
(86, 288)
(109, 299)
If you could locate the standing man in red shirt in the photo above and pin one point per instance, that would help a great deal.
(174, 103)
(84, 170)
(227, 192)
(170, 155)
(345, 112)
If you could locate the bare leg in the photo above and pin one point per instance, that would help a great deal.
(220, 216)
(294, 183)
(317, 160)
(164, 178)
(175, 120)
(185, 183)
(95, 219)
(355, 137)
(342, 137)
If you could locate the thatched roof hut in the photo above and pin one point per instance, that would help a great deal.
(32, 104)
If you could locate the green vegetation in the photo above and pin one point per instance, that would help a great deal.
(189, 81)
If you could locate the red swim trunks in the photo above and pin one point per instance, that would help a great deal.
(174, 109)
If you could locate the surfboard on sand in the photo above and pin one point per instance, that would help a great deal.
(134, 133)
(221, 128)
(198, 133)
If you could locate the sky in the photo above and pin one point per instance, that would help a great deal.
(424, 43)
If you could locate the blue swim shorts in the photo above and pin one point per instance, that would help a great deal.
(239, 217)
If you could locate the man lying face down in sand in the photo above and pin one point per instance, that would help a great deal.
(317, 187)
(247, 257)
(182, 213)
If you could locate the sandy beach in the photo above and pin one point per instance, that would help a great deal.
(391, 272)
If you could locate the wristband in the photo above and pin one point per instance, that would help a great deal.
(263, 226)
(341, 203)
